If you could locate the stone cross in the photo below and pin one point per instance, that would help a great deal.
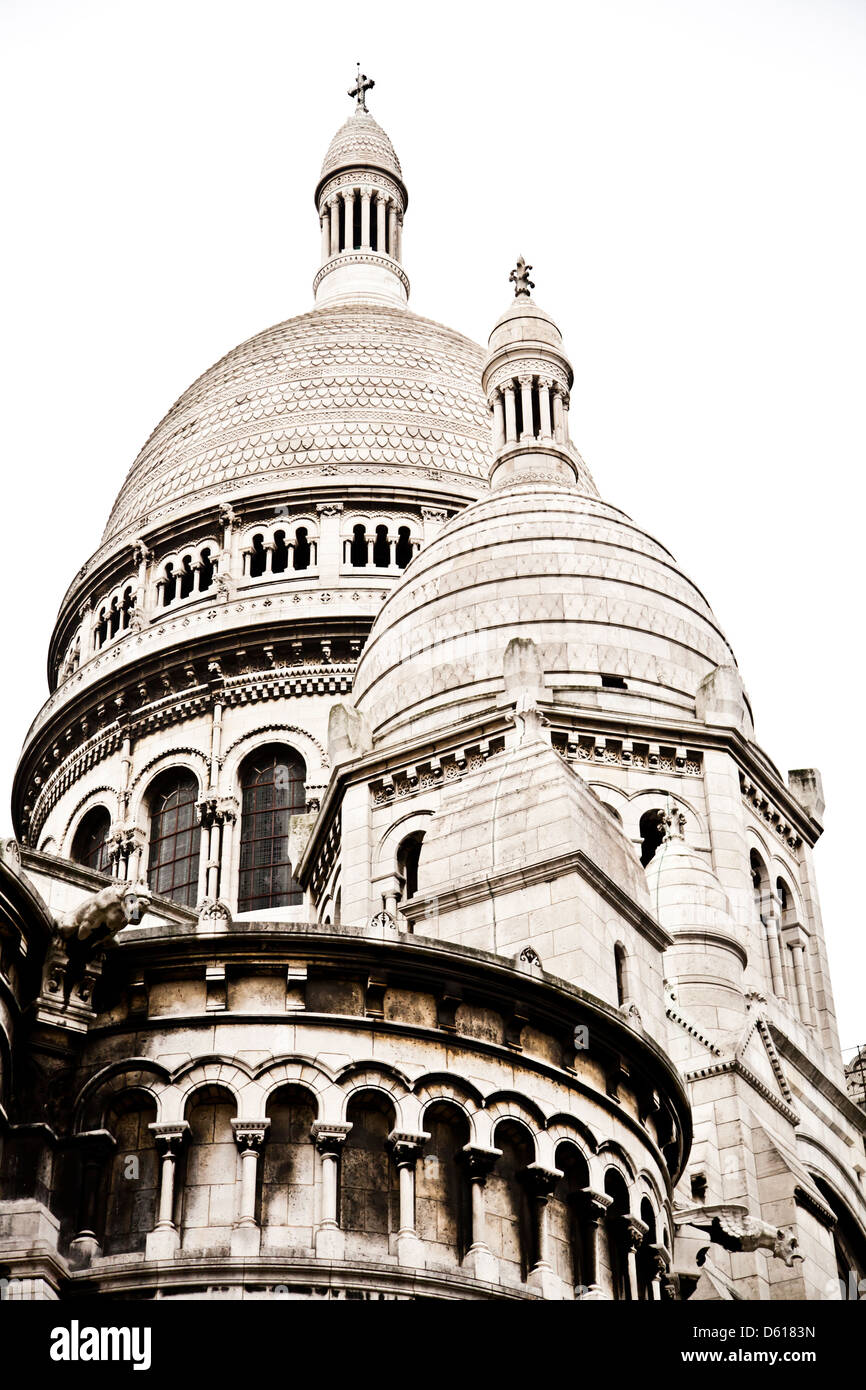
(362, 85)
(520, 277)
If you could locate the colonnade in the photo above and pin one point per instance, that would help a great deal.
(381, 221)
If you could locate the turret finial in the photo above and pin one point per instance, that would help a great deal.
(520, 278)
(363, 83)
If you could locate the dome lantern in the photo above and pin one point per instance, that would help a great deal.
(527, 378)
(361, 199)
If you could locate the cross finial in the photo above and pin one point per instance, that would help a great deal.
(363, 83)
(520, 277)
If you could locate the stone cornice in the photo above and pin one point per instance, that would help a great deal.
(502, 881)
(822, 1083)
(734, 1066)
(423, 963)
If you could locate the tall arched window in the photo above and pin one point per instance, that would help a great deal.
(652, 833)
(175, 839)
(90, 845)
(408, 859)
(621, 963)
(272, 783)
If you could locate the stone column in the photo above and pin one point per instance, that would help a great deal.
(590, 1208)
(334, 212)
(381, 234)
(632, 1232)
(498, 421)
(480, 1259)
(329, 558)
(546, 423)
(526, 403)
(249, 1137)
(510, 413)
(659, 1263)
(329, 1140)
(777, 974)
(406, 1150)
(796, 939)
(398, 228)
(98, 1146)
(366, 195)
(392, 230)
(326, 234)
(163, 1241)
(539, 1183)
(349, 219)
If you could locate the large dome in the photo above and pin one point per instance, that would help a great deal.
(596, 594)
(332, 389)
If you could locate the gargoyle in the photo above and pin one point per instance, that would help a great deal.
(101, 916)
(733, 1229)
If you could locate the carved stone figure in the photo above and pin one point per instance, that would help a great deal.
(102, 915)
(733, 1229)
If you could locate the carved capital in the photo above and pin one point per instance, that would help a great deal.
(540, 1181)
(406, 1148)
(329, 1139)
(329, 508)
(250, 1134)
(591, 1205)
(169, 1138)
(479, 1162)
(633, 1232)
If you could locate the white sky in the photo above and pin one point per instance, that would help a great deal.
(685, 176)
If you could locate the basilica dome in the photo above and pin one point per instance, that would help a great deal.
(327, 391)
(617, 624)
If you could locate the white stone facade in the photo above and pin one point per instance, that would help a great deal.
(473, 946)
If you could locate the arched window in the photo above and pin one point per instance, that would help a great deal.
(408, 858)
(571, 1239)
(90, 845)
(760, 884)
(849, 1245)
(187, 577)
(101, 631)
(272, 784)
(205, 571)
(169, 588)
(644, 1260)
(175, 839)
(210, 1172)
(302, 554)
(114, 618)
(258, 558)
(620, 959)
(615, 1242)
(382, 548)
(358, 548)
(289, 1172)
(510, 1231)
(369, 1192)
(133, 1174)
(280, 556)
(442, 1196)
(403, 553)
(652, 834)
(127, 606)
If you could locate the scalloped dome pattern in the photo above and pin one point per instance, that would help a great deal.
(361, 140)
(334, 388)
(577, 576)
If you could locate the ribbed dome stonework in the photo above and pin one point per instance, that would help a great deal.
(332, 389)
(361, 141)
(577, 576)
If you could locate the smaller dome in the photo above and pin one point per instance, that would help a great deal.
(684, 890)
(524, 322)
(361, 141)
